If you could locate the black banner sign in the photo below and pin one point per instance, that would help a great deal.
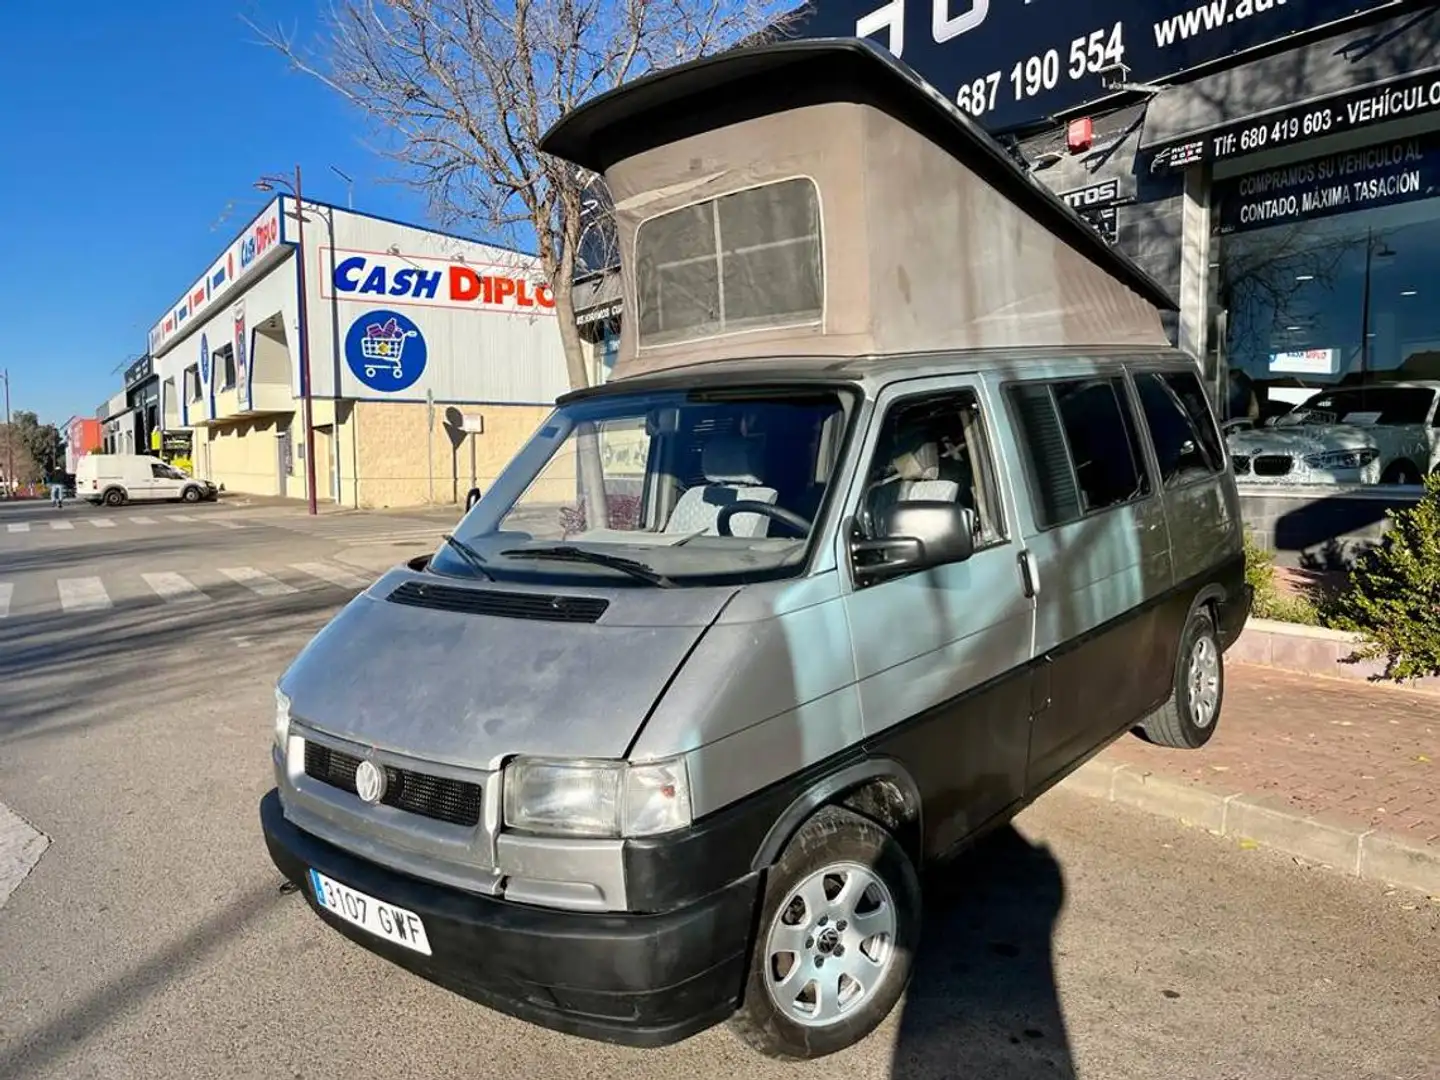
(1009, 63)
(1098, 204)
(1395, 172)
(1411, 95)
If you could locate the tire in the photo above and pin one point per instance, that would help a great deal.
(1188, 719)
(191, 494)
(1401, 472)
(835, 852)
(114, 497)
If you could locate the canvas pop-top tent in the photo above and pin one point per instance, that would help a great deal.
(816, 198)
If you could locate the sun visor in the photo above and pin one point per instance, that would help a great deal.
(818, 198)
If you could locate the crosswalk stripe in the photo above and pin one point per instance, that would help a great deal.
(7, 590)
(18, 526)
(223, 524)
(83, 594)
(259, 583)
(101, 523)
(333, 574)
(141, 521)
(173, 588)
(179, 517)
(61, 526)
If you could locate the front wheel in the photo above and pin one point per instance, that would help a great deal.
(837, 933)
(191, 495)
(1188, 719)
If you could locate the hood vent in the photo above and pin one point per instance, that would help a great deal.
(504, 605)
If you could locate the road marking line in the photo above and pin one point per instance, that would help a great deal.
(99, 524)
(83, 594)
(61, 526)
(223, 524)
(7, 590)
(173, 588)
(257, 582)
(141, 521)
(19, 526)
(20, 849)
(333, 574)
(179, 517)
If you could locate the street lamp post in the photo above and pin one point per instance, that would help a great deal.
(267, 183)
(9, 435)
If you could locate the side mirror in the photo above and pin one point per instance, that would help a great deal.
(472, 498)
(915, 536)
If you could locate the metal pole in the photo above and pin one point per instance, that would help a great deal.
(472, 460)
(305, 348)
(9, 436)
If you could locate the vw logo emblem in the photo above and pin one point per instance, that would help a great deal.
(370, 782)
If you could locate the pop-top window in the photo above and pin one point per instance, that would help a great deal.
(743, 261)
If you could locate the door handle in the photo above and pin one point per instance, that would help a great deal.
(1029, 575)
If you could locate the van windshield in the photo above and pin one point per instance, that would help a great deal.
(661, 488)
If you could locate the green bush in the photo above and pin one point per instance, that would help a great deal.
(1270, 602)
(1393, 602)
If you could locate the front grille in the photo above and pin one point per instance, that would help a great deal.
(1273, 465)
(439, 798)
(1242, 465)
(506, 605)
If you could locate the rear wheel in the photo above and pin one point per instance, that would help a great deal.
(1401, 472)
(837, 931)
(1188, 719)
(114, 497)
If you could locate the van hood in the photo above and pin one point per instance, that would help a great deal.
(470, 689)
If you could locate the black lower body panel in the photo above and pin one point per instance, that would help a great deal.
(636, 980)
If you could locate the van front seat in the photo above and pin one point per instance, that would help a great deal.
(914, 477)
(731, 465)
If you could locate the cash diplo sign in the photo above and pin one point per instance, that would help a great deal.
(369, 276)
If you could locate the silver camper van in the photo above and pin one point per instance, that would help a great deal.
(898, 508)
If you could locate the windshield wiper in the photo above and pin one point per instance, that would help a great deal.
(575, 554)
(470, 555)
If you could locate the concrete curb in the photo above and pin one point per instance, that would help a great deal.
(1349, 847)
(1314, 650)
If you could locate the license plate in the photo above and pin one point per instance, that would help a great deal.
(379, 918)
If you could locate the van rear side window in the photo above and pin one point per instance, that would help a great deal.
(1080, 442)
(1187, 445)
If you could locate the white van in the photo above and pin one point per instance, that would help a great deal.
(115, 479)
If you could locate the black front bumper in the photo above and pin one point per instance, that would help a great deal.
(637, 980)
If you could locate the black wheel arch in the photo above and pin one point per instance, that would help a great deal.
(879, 788)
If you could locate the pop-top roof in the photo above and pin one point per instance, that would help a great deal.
(920, 232)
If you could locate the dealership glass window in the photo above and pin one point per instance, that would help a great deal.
(1346, 301)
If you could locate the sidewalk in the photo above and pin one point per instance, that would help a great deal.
(1343, 774)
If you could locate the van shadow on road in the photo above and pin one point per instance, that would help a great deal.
(983, 1001)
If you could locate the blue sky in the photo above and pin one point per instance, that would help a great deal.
(132, 127)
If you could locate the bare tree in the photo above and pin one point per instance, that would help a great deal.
(468, 87)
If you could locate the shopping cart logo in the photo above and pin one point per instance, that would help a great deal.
(385, 350)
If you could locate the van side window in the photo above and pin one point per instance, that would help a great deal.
(160, 472)
(934, 449)
(1181, 427)
(1081, 443)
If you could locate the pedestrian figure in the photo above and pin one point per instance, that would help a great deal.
(57, 494)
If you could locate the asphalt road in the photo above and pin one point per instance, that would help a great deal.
(151, 940)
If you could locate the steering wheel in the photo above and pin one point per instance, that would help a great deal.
(746, 506)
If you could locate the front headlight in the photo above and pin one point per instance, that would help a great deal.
(1342, 459)
(282, 719)
(597, 798)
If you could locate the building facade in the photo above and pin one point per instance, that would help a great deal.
(1276, 166)
(428, 358)
(82, 436)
